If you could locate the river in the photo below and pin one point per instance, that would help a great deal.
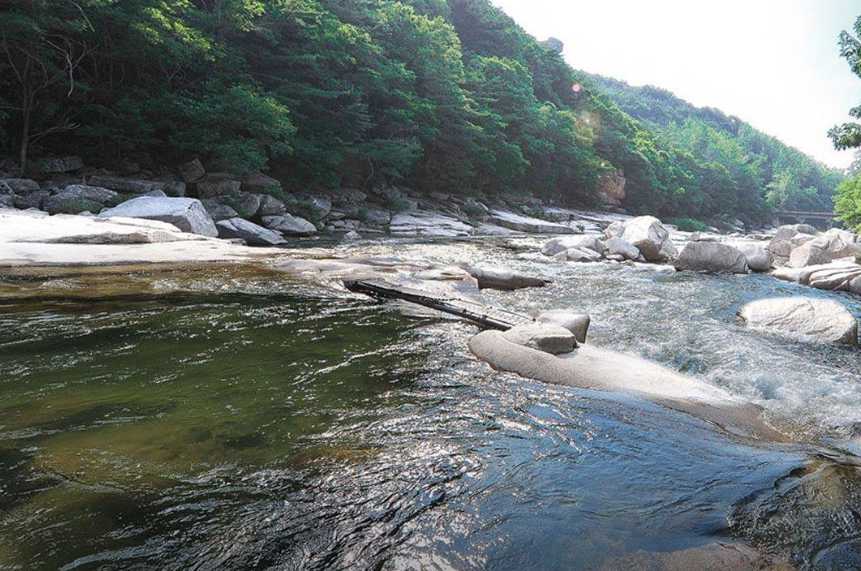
(250, 420)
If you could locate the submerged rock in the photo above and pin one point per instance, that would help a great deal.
(187, 214)
(494, 277)
(819, 320)
(711, 257)
(251, 233)
(545, 337)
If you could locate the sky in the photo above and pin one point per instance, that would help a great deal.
(773, 63)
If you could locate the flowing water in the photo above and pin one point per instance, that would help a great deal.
(216, 419)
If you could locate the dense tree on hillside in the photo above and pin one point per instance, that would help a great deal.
(437, 95)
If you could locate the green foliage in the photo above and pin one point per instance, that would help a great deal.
(847, 203)
(689, 224)
(436, 95)
(848, 135)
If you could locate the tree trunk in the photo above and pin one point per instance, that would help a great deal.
(25, 138)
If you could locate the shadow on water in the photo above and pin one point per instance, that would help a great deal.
(275, 425)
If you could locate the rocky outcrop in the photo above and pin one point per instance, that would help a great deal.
(528, 224)
(251, 233)
(809, 319)
(187, 214)
(649, 236)
(290, 225)
(260, 183)
(544, 337)
(18, 186)
(711, 257)
(836, 276)
(495, 277)
(611, 187)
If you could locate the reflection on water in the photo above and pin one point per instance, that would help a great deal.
(275, 425)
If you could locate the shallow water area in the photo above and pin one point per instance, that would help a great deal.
(239, 418)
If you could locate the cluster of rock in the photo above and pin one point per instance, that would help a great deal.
(829, 261)
(255, 209)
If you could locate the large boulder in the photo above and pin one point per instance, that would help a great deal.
(260, 183)
(811, 253)
(125, 185)
(289, 225)
(648, 235)
(551, 339)
(579, 255)
(253, 234)
(841, 243)
(556, 245)
(495, 277)
(18, 186)
(192, 171)
(270, 206)
(31, 199)
(7, 201)
(711, 257)
(529, 224)
(58, 165)
(77, 198)
(217, 184)
(758, 257)
(423, 223)
(218, 210)
(576, 323)
(809, 319)
(187, 214)
(621, 247)
(247, 204)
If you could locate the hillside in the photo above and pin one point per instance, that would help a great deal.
(433, 95)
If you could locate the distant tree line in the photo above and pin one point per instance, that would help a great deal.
(437, 95)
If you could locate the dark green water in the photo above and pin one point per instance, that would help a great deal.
(252, 422)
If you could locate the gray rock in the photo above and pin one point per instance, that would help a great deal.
(173, 188)
(352, 235)
(31, 200)
(317, 207)
(217, 184)
(421, 223)
(580, 255)
(819, 320)
(648, 235)
(615, 229)
(576, 323)
(187, 214)
(701, 237)
(77, 198)
(529, 224)
(621, 247)
(260, 183)
(811, 253)
(218, 210)
(58, 165)
(789, 237)
(246, 204)
(18, 186)
(289, 225)
(375, 217)
(7, 201)
(758, 257)
(156, 193)
(495, 277)
(349, 197)
(192, 171)
(556, 245)
(548, 338)
(270, 206)
(125, 185)
(251, 233)
(711, 257)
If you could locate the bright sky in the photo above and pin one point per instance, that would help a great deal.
(773, 63)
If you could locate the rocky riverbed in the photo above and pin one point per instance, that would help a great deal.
(246, 353)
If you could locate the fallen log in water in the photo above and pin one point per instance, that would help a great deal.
(489, 317)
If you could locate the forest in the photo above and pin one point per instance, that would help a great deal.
(433, 95)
